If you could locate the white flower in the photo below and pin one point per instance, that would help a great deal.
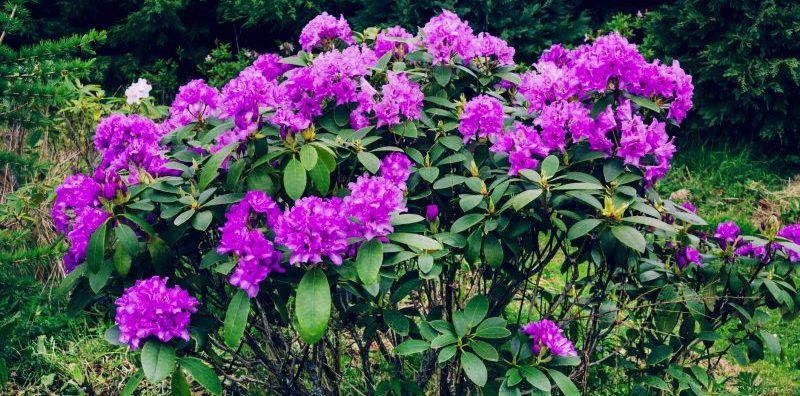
(137, 91)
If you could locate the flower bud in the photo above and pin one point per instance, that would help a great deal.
(431, 212)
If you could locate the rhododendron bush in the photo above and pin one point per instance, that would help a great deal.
(417, 208)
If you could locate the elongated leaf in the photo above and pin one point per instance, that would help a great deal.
(294, 179)
(411, 347)
(308, 157)
(313, 305)
(127, 238)
(414, 240)
(649, 221)
(236, 319)
(564, 383)
(522, 199)
(474, 368)
(369, 160)
(630, 237)
(132, 384)
(369, 261)
(536, 378)
(203, 374)
(476, 310)
(582, 228)
(158, 360)
(179, 384)
(96, 249)
(485, 350)
(209, 171)
(442, 74)
(466, 221)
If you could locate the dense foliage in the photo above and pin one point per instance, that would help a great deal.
(404, 194)
(744, 56)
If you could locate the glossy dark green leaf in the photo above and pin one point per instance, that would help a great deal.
(209, 170)
(474, 368)
(236, 319)
(630, 237)
(411, 347)
(294, 179)
(369, 261)
(158, 360)
(313, 305)
(582, 228)
(96, 249)
(203, 374)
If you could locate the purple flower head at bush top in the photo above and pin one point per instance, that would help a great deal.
(244, 96)
(446, 35)
(195, 101)
(257, 256)
(87, 220)
(759, 252)
(371, 202)
(270, 66)
(431, 212)
(314, 228)
(396, 167)
(322, 29)
(384, 42)
(792, 233)
(77, 191)
(150, 308)
(545, 333)
(482, 117)
(130, 143)
(688, 255)
(727, 234)
(400, 96)
(488, 46)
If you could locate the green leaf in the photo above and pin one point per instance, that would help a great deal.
(474, 368)
(142, 223)
(209, 171)
(601, 105)
(96, 249)
(550, 166)
(448, 181)
(132, 384)
(184, 217)
(294, 179)
(158, 360)
(452, 142)
(236, 319)
(466, 221)
(522, 199)
(771, 342)
(443, 340)
(536, 378)
(122, 261)
(493, 251)
(645, 102)
(582, 228)
(320, 177)
(442, 74)
(446, 354)
(313, 305)
(411, 347)
(425, 263)
(630, 237)
(484, 350)
(414, 240)
(654, 382)
(203, 374)
(179, 384)
(396, 321)
(428, 173)
(658, 355)
(202, 220)
(127, 238)
(98, 280)
(369, 160)
(369, 261)
(649, 221)
(564, 383)
(476, 310)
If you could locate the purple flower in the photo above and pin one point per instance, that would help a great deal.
(759, 252)
(371, 202)
(130, 144)
(689, 207)
(446, 35)
(87, 220)
(195, 101)
(546, 334)
(792, 233)
(488, 46)
(400, 96)
(522, 143)
(77, 191)
(257, 256)
(431, 212)
(384, 42)
(270, 66)
(397, 168)
(314, 228)
(243, 97)
(727, 234)
(482, 117)
(323, 29)
(150, 308)
(688, 255)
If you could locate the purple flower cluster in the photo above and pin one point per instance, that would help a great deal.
(399, 96)
(386, 42)
(560, 92)
(371, 202)
(195, 102)
(132, 144)
(314, 227)
(491, 47)
(396, 167)
(324, 29)
(446, 35)
(792, 233)
(727, 234)
(546, 334)
(688, 255)
(150, 308)
(257, 256)
(482, 117)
